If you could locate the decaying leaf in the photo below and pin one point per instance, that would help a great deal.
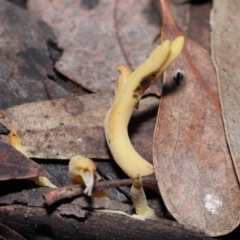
(199, 26)
(14, 165)
(85, 31)
(225, 20)
(55, 90)
(24, 61)
(133, 21)
(181, 13)
(60, 129)
(191, 159)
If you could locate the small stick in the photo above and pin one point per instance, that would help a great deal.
(71, 191)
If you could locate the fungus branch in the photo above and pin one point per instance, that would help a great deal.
(127, 96)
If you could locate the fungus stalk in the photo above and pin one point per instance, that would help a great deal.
(16, 143)
(128, 94)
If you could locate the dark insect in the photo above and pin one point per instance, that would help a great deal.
(178, 77)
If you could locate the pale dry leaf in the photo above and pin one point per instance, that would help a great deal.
(60, 129)
(225, 35)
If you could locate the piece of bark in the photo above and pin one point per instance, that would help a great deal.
(33, 197)
(40, 225)
(60, 129)
(40, 197)
(9, 234)
(14, 165)
(225, 51)
(20, 192)
(74, 208)
(71, 210)
(192, 164)
(100, 203)
(23, 56)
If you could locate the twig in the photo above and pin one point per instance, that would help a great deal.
(71, 191)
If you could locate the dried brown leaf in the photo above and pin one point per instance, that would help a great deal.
(55, 90)
(192, 163)
(85, 31)
(225, 50)
(60, 129)
(24, 61)
(199, 26)
(181, 13)
(14, 165)
(137, 26)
